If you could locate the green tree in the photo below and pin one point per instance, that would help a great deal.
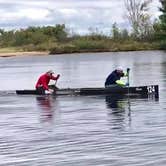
(6, 38)
(60, 32)
(116, 34)
(160, 26)
(125, 34)
(162, 18)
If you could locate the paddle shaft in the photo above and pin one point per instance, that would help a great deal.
(128, 80)
(56, 80)
(55, 83)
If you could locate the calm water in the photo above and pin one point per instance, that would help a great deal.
(83, 131)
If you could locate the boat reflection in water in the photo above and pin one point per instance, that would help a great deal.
(47, 107)
(119, 108)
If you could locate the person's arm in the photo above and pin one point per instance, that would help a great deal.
(120, 83)
(55, 78)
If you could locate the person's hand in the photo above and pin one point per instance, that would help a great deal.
(58, 76)
(127, 84)
(47, 92)
(50, 91)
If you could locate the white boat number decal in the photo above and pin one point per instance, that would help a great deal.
(151, 89)
(138, 89)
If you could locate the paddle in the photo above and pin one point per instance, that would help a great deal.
(55, 84)
(55, 87)
(128, 83)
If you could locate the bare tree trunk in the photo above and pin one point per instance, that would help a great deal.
(137, 14)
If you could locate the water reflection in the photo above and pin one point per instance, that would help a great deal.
(119, 108)
(47, 108)
(114, 102)
(119, 111)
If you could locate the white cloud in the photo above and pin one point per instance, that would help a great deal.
(77, 14)
(32, 13)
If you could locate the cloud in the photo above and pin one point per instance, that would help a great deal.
(78, 15)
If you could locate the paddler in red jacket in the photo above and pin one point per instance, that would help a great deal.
(43, 81)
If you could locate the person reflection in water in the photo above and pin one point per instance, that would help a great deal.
(45, 105)
(113, 102)
(118, 112)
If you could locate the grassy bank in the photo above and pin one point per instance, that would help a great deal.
(77, 46)
(81, 46)
(88, 44)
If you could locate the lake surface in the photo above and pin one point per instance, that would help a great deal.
(82, 130)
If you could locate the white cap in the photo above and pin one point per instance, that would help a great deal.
(119, 68)
(50, 72)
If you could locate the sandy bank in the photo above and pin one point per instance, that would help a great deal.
(31, 53)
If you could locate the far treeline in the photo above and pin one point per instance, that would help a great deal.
(145, 35)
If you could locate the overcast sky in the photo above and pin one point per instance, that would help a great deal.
(79, 15)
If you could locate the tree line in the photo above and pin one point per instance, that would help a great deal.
(145, 34)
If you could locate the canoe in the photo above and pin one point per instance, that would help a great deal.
(114, 90)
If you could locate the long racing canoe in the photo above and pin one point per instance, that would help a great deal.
(115, 90)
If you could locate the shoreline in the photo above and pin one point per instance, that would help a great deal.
(46, 53)
(23, 53)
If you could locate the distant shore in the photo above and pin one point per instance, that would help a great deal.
(23, 53)
(46, 53)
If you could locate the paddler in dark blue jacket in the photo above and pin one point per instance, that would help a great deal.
(115, 76)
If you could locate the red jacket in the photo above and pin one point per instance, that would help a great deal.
(44, 80)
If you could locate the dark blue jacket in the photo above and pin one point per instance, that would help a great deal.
(112, 78)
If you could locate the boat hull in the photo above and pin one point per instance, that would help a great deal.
(116, 90)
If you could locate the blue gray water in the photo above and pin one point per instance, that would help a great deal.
(82, 130)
